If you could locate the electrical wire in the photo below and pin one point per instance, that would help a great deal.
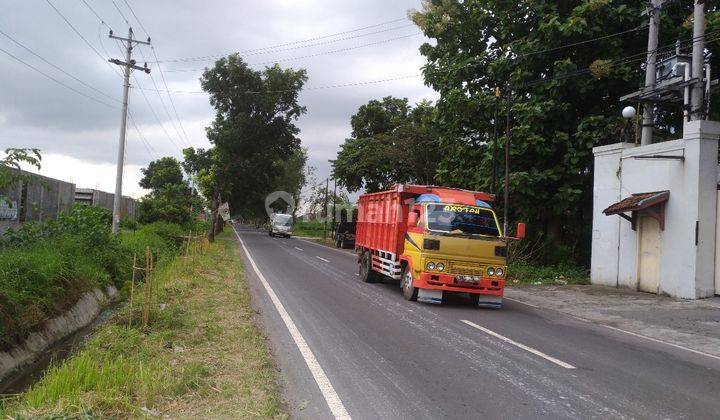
(152, 110)
(172, 101)
(136, 18)
(58, 68)
(208, 57)
(385, 41)
(312, 88)
(56, 80)
(104, 59)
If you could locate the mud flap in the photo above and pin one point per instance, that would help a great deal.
(494, 302)
(430, 296)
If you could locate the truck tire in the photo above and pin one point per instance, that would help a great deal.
(367, 275)
(406, 283)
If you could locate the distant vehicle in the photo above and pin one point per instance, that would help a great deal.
(344, 236)
(434, 240)
(281, 225)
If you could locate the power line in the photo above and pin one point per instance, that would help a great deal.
(574, 44)
(143, 139)
(172, 102)
(56, 80)
(385, 41)
(95, 13)
(312, 88)
(122, 15)
(57, 67)
(136, 18)
(206, 57)
(104, 59)
(269, 50)
(152, 110)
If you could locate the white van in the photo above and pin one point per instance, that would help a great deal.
(281, 224)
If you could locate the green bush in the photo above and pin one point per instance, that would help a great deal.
(45, 267)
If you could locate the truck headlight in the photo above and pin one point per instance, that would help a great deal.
(430, 265)
(499, 272)
(440, 266)
(491, 271)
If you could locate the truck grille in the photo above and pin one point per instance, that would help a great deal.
(465, 268)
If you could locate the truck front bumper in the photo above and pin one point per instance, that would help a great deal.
(491, 286)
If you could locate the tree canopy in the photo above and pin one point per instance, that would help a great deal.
(391, 142)
(254, 131)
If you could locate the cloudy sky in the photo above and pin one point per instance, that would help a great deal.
(78, 136)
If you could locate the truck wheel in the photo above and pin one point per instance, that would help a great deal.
(474, 299)
(366, 273)
(270, 233)
(409, 291)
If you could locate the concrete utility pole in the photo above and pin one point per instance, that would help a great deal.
(325, 208)
(495, 139)
(128, 64)
(507, 162)
(650, 70)
(698, 62)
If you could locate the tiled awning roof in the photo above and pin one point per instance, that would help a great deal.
(638, 202)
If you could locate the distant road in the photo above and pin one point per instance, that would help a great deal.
(372, 355)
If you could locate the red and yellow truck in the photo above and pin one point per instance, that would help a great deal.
(435, 240)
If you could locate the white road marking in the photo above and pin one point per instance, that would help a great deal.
(516, 344)
(326, 388)
(298, 248)
(520, 301)
(322, 259)
(357, 274)
(656, 340)
(702, 353)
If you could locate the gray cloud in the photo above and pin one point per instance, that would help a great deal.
(36, 112)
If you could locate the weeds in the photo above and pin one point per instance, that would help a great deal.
(200, 356)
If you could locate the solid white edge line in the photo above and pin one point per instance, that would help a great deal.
(702, 353)
(522, 346)
(298, 248)
(321, 258)
(326, 388)
(655, 340)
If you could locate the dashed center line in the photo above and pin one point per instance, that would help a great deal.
(322, 259)
(299, 249)
(522, 346)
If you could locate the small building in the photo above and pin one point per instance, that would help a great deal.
(655, 214)
(106, 200)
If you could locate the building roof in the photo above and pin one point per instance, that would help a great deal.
(637, 202)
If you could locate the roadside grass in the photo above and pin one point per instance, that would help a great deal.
(310, 228)
(523, 273)
(201, 356)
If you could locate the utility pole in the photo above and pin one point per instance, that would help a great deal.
(493, 185)
(650, 70)
(325, 209)
(698, 61)
(507, 162)
(128, 64)
(334, 203)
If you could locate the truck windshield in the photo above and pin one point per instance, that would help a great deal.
(453, 218)
(283, 220)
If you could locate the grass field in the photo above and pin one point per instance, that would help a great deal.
(202, 355)
(310, 229)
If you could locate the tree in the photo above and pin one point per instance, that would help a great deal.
(161, 173)
(170, 199)
(292, 176)
(316, 202)
(391, 143)
(253, 129)
(10, 172)
(566, 100)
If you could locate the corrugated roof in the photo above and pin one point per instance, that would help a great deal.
(638, 202)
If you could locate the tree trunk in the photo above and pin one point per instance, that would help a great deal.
(214, 204)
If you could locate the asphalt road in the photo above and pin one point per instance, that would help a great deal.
(384, 357)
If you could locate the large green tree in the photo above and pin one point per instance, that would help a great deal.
(565, 100)
(391, 142)
(170, 198)
(254, 128)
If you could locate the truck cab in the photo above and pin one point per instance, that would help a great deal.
(454, 248)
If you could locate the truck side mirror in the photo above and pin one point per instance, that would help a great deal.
(520, 230)
(413, 219)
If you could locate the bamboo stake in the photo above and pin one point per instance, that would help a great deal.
(132, 290)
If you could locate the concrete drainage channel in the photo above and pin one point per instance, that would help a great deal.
(23, 365)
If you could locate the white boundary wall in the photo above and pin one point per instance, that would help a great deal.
(687, 270)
